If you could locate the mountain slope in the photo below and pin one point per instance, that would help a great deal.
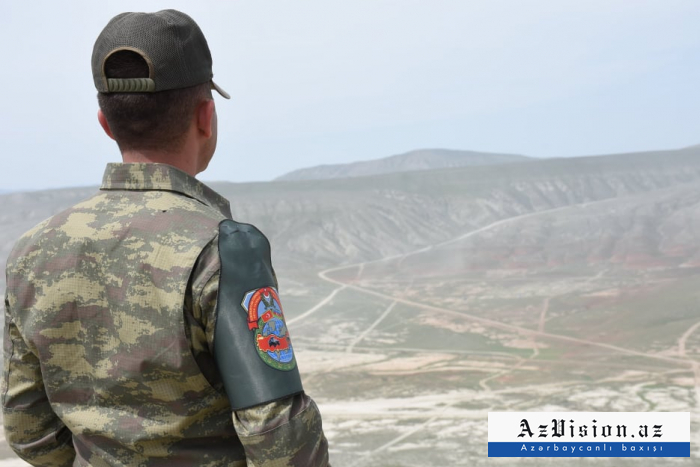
(347, 220)
(322, 223)
(422, 159)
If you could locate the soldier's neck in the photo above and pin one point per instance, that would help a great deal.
(190, 157)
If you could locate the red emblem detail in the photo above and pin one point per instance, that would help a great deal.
(255, 301)
(265, 318)
(272, 343)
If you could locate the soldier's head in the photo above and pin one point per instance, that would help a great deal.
(153, 74)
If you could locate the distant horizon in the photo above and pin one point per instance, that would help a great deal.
(208, 181)
(495, 152)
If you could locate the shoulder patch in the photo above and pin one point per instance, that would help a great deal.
(266, 321)
(252, 347)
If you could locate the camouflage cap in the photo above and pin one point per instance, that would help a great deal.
(170, 42)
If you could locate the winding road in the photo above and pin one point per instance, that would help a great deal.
(540, 333)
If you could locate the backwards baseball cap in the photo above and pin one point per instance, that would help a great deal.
(170, 42)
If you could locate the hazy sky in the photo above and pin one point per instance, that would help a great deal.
(328, 81)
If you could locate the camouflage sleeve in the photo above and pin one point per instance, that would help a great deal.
(286, 433)
(32, 429)
(205, 282)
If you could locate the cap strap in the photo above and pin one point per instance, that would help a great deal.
(131, 85)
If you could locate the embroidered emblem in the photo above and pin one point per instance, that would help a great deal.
(266, 320)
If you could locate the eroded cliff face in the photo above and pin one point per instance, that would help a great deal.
(329, 222)
(344, 221)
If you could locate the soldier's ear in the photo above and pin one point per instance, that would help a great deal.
(205, 118)
(103, 123)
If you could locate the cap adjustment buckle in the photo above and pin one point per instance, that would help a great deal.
(131, 85)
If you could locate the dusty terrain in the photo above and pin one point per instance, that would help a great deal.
(432, 348)
(420, 302)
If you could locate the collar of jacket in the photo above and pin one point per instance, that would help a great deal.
(162, 177)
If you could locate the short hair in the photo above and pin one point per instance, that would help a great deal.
(143, 120)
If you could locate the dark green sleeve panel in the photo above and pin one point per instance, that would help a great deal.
(252, 347)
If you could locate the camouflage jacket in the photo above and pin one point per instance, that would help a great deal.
(109, 330)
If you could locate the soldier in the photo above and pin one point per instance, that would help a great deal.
(143, 325)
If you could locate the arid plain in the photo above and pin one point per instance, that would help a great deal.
(420, 301)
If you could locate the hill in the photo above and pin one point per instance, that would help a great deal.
(422, 159)
(341, 221)
(420, 301)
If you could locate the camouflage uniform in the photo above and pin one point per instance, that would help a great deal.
(102, 365)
